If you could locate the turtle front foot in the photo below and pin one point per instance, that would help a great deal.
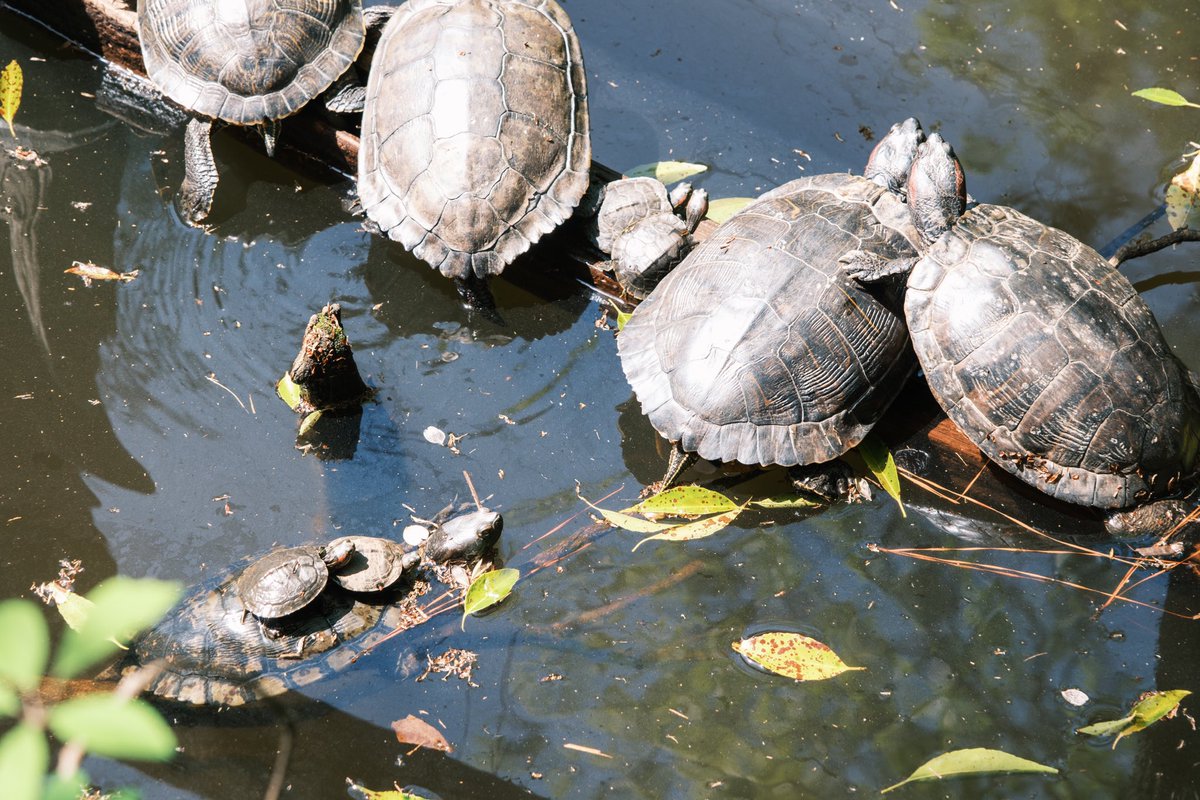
(865, 268)
(830, 482)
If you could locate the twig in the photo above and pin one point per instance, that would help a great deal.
(471, 486)
(1139, 249)
(279, 770)
(213, 379)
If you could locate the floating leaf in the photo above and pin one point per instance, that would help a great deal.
(288, 391)
(726, 207)
(72, 607)
(793, 655)
(309, 423)
(94, 272)
(123, 606)
(24, 644)
(882, 464)
(416, 731)
(785, 502)
(11, 81)
(1183, 198)
(487, 590)
(113, 726)
(24, 757)
(1166, 97)
(667, 172)
(972, 761)
(1075, 697)
(626, 522)
(1150, 709)
(434, 435)
(695, 530)
(357, 790)
(682, 501)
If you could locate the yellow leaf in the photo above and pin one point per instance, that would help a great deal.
(619, 520)
(695, 530)
(726, 207)
(11, 80)
(1183, 198)
(684, 501)
(792, 655)
(972, 761)
(882, 464)
(667, 172)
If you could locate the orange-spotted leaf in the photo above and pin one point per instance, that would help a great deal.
(792, 655)
(11, 80)
(682, 501)
(695, 530)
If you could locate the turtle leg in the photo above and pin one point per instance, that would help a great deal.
(696, 209)
(1151, 519)
(477, 296)
(347, 95)
(269, 128)
(677, 464)
(865, 267)
(200, 176)
(833, 480)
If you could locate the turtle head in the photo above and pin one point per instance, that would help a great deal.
(466, 537)
(337, 555)
(893, 156)
(937, 188)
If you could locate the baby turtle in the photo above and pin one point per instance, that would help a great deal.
(287, 579)
(376, 563)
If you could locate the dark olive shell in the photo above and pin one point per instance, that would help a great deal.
(283, 581)
(1047, 358)
(475, 137)
(248, 61)
(757, 348)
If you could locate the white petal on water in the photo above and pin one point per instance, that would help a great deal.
(415, 535)
(1075, 697)
(435, 435)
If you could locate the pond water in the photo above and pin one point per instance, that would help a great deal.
(118, 448)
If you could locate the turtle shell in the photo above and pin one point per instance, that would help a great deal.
(756, 348)
(213, 652)
(283, 581)
(248, 61)
(627, 202)
(1047, 358)
(375, 564)
(475, 137)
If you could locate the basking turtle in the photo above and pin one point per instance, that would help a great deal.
(1042, 353)
(758, 349)
(376, 563)
(246, 62)
(637, 225)
(464, 538)
(213, 652)
(287, 579)
(475, 137)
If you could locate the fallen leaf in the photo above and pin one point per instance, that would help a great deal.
(309, 422)
(972, 761)
(358, 790)
(1166, 97)
(699, 529)
(1074, 696)
(667, 172)
(1152, 707)
(882, 464)
(415, 731)
(627, 522)
(683, 501)
(1183, 198)
(726, 207)
(785, 502)
(288, 391)
(584, 749)
(11, 80)
(487, 590)
(792, 655)
(434, 435)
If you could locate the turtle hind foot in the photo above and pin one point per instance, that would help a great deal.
(830, 482)
(200, 179)
(1151, 519)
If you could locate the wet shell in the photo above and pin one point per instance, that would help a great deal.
(375, 565)
(283, 581)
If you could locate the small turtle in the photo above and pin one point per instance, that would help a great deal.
(757, 348)
(464, 538)
(376, 563)
(211, 652)
(475, 139)
(1042, 353)
(638, 226)
(246, 62)
(287, 579)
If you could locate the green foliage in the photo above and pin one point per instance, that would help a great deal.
(724, 208)
(667, 172)
(683, 501)
(104, 723)
(487, 590)
(882, 464)
(973, 761)
(1150, 709)
(288, 391)
(1166, 97)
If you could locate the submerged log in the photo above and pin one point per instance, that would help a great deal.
(926, 442)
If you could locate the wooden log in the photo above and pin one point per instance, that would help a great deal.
(915, 428)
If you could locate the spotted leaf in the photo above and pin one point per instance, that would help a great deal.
(792, 655)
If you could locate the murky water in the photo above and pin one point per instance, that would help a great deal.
(123, 440)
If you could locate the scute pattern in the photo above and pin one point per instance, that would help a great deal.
(1047, 358)
(247, 61)
(756, 348)
(475, 137)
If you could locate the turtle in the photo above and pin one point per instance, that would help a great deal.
(245, 62)
(757, 349)
(1042, 353)
(638, 227)
(376, 563)
(475, 139)
(464, 538)
(211, 652)
(287, 579)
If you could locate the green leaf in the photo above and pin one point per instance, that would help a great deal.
(71, 788)
(667, 172)
(1150, 709)
(684, 501)
(11, 80)
(111, 726)
(123, 607)
(309, 422)
(622, 318)
(357, 790)
(726, 207)
(785, 502)
(793, 655)
(24, 644)
(487, 590)
(10, 702)
(619, 520)
(882, 465)
(288, 391)
(1166, 97)
(24, 757)
(973, 761)
(695, 530)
